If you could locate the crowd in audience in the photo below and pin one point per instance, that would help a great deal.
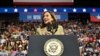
(88, 37)
(14, 39)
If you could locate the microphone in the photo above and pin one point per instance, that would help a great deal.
(52, 27)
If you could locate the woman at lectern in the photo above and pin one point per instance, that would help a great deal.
(49, 25)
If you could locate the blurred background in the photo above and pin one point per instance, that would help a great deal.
(19, 19)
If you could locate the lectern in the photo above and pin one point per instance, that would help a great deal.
(53, 45)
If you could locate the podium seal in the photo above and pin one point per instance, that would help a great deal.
(53, 47)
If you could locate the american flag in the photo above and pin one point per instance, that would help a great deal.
(95, 17)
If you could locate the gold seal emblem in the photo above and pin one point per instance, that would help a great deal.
(53, 47)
